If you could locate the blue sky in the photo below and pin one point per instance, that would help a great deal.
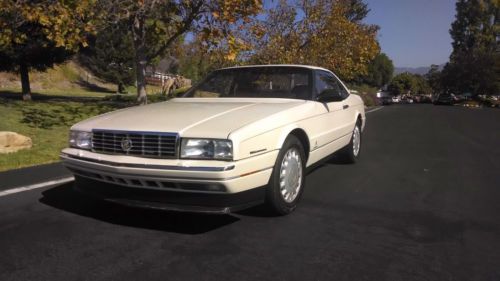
(413, 33)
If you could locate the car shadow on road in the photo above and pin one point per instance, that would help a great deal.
(260, 211)
(64, 198)
(334, 159)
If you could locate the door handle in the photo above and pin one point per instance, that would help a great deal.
(346, 106)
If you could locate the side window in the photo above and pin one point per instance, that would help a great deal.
(343, 91)
(326, 81)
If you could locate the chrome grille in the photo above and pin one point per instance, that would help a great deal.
(143, 144)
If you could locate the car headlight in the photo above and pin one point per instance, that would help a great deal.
(79, 139)
(207, 149)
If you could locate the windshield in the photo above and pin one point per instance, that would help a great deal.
(255, 82)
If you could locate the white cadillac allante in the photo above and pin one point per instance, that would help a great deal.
(243, 136)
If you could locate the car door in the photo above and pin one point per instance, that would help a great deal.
(333, 95)
(349, 108)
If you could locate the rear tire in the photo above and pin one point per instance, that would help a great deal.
(350, 153)
(288, 178)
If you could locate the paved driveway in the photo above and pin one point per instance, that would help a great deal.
(423, 203)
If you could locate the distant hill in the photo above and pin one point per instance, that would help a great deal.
(415, 70)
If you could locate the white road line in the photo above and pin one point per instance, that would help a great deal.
(375, 109)
(35, 186)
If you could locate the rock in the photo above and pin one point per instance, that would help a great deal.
(12, 142)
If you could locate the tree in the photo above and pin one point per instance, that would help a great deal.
(403, 83)
(38, 34)
(409, 84)
(110, 55)
(318, 32)
(433, 77)
(422, 86)
(195, 60)
(380, 71)
(474, 63)
(155, 25)
(357, 10)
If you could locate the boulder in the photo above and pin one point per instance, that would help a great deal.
(12, 142)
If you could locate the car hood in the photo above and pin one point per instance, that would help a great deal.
(191, 117)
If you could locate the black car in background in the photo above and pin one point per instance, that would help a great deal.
(445, 99)
(386, 100)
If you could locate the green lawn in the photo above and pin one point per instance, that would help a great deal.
(46, 142)
(47, 119)
(46, 123)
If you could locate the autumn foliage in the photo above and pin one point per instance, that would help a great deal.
(327, 33)
(37, 34)
(156, 25)
(318, 33)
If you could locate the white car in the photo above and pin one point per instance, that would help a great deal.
(243, 136)
(395, 99)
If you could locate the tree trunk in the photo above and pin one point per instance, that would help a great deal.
(121, 88)
(139, 35)
(25, 81)
(142, 98)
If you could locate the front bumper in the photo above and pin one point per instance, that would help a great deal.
(176, 175)
(171, 177)
(171, 200)
(172, 174)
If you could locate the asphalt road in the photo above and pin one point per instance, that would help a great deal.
(423, 203)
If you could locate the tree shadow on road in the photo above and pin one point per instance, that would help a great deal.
(65, 198)
(93, 87)
(16, 96)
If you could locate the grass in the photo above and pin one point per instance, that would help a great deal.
(62, 96)
(481, 103)
(47, 119)
(46, 142)
(47, 123)
(75, 92)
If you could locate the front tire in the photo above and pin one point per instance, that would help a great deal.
(350, 153)
(288, 178)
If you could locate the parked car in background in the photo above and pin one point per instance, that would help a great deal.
(445, 99)
(407, 100)
(422, 99)
(463, 97)
(395, 99)
(241, 137)
(386, 100)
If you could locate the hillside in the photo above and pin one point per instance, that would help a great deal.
(415, 70)
(63, 78)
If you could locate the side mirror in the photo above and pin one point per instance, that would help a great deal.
(329, 95)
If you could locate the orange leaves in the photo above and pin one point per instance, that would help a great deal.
(220, 35)
(230, 56)
(58, 22)
(323, 35)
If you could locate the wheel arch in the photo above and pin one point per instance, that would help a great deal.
(360, 120)
(360, 117)
(301, 135)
